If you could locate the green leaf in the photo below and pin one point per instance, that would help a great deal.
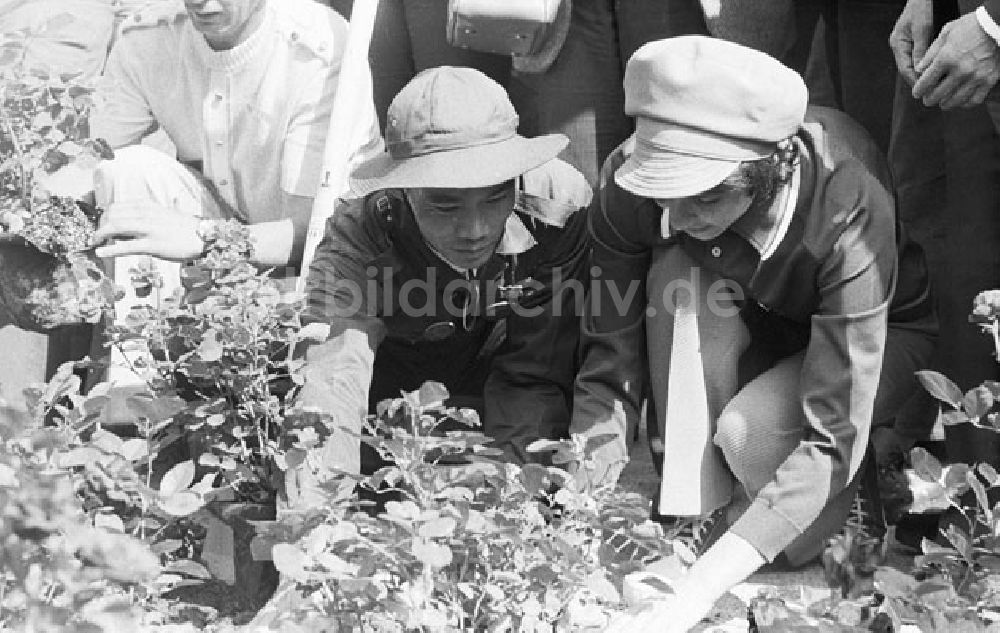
(402, 511)
(977, 402)
(431, 554)
(441, 527)
(155, 408)
(598, 441)
(535, 478)
(894, 583)
(601, 587)
(135, 449)
(107, 442)
(432, 394)
(110, 522)
(980, 492)
(178, 478)
(954, 418)
(927, 496)
(83, 456)
(336, 566)
(941, 387)
(187, 567)
(291, 561)
(540, 446)
(925, 465)
(8, 477)
(210, 349)
(989, 474)
(166, 546)
(182, 504)
(956, 479)
(959, 539)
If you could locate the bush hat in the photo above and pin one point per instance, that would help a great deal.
(452, 127)
(703, 106)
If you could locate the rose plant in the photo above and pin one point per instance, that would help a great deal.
(61, 568)
(46, 160)
(458, 540)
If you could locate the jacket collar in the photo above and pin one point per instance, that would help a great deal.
(516, 237)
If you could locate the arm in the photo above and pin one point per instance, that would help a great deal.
(840, 372)
(121, 114)
(338, 371)
(149, 230)
(610, 384)
(146, 228)
(530, 381)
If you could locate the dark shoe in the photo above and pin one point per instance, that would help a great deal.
(697, 533)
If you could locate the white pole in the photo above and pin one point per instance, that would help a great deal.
(349, 126)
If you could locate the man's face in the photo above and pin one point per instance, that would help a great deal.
(463, 225)
(224, 23)
(707, 215)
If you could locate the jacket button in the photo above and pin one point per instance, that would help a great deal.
(716, 252)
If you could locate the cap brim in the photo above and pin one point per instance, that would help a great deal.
(664, 174)
(479, 166)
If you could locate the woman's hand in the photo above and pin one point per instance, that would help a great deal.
(145, 228)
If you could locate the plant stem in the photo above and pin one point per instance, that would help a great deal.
(8, 128)
(149, 481)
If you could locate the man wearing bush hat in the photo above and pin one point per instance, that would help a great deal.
(765, 329)
(448, 267)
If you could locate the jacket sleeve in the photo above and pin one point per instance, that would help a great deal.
(530, 384)
(840, 371)
(611, 382)
(338, 371)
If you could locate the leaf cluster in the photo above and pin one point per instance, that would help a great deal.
(45, 151)
(464, 542)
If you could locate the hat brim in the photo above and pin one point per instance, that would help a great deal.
(478, 166)
(664, 174)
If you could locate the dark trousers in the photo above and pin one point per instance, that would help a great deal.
(946, 166)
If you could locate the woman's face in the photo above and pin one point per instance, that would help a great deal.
(705, 216)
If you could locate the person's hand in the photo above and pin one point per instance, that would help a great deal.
(960, 68)
(911, 36)
(671, 613)
(143, 228)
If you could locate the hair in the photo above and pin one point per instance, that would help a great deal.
(763, 177)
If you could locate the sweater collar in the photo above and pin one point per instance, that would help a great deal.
(237, 57)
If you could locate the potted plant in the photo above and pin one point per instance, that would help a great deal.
(46, 158)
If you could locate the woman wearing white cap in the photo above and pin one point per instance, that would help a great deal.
(810, 314)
